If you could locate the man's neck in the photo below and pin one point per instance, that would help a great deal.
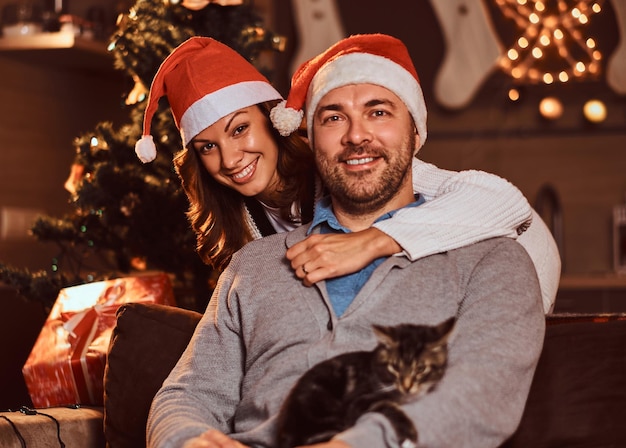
(361, 221)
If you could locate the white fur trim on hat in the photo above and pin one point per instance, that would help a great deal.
(216, 105)
(145, 149)
(366, 68)
(285, 119)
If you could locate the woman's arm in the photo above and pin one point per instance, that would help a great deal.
(461, 208)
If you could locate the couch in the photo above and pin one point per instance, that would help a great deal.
(577, 398)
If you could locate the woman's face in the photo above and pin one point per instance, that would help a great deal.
(239, 151)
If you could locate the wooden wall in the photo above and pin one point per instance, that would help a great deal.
(47, 98)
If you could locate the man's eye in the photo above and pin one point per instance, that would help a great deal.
(330, 119)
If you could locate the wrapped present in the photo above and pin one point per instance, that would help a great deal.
(66, 364)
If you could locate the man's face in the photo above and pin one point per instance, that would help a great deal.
(364, 140)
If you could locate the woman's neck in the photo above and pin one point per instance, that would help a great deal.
(272, 196)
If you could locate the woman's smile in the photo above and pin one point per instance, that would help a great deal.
(245, 174)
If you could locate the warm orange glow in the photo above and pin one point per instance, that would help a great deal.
(551, 108)
(552, 43)
(595, 111)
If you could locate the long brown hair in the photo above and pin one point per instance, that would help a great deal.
(216, 212)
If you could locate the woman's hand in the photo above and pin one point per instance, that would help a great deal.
(213, 439)
(320, 257)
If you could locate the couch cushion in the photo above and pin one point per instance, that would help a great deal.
(578, 394)
(145, 345)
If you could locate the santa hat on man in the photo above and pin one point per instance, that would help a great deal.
(204, 80)
(360, 59)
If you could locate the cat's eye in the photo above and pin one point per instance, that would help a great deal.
(420, 368)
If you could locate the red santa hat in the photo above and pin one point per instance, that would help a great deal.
(204, 80)
(360, 59)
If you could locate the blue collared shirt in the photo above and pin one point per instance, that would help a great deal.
(342, 290)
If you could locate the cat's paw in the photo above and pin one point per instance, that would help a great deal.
(408, 444)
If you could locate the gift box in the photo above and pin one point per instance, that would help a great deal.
(66, 364)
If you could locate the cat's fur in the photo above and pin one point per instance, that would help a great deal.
(329, 398)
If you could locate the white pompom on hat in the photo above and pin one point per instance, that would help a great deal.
(359, 59)
(204, 80)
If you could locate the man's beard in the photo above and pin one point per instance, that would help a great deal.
(362, 193)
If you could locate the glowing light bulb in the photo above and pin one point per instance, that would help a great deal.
(594, 111)
(514, 94)
(551, 108)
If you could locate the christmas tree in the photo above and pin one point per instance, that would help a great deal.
(129, 216)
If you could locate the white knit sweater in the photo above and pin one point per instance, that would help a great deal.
(463, 208)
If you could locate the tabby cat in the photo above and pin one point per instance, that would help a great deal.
(408, 362)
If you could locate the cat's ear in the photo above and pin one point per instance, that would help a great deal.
(444, 329)
(384, 335)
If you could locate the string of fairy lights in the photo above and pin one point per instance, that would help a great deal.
(553, 48)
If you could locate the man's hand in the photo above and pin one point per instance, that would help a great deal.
(213, 439)
(320, 257)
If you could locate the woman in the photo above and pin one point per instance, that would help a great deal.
(244, 180)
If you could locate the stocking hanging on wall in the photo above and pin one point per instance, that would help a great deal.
(472, 50)
(616, 67)
(318, 26)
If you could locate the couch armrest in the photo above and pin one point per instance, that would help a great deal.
(145, 345)
(578, 394)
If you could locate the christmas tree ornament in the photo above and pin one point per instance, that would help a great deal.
(138, 94)
(318, 25)
(77, 172)
(472, 50)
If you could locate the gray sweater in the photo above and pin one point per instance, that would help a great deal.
(263, 329)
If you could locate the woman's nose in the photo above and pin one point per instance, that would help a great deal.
(231, 157)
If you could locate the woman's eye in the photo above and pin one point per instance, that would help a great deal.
(206, 148)
(239, 129)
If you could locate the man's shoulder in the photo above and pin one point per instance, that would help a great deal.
(498, 245)
(272, 243)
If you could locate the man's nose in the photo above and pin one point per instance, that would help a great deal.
(357, 132)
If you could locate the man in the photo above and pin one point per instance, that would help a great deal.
(263, 329)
